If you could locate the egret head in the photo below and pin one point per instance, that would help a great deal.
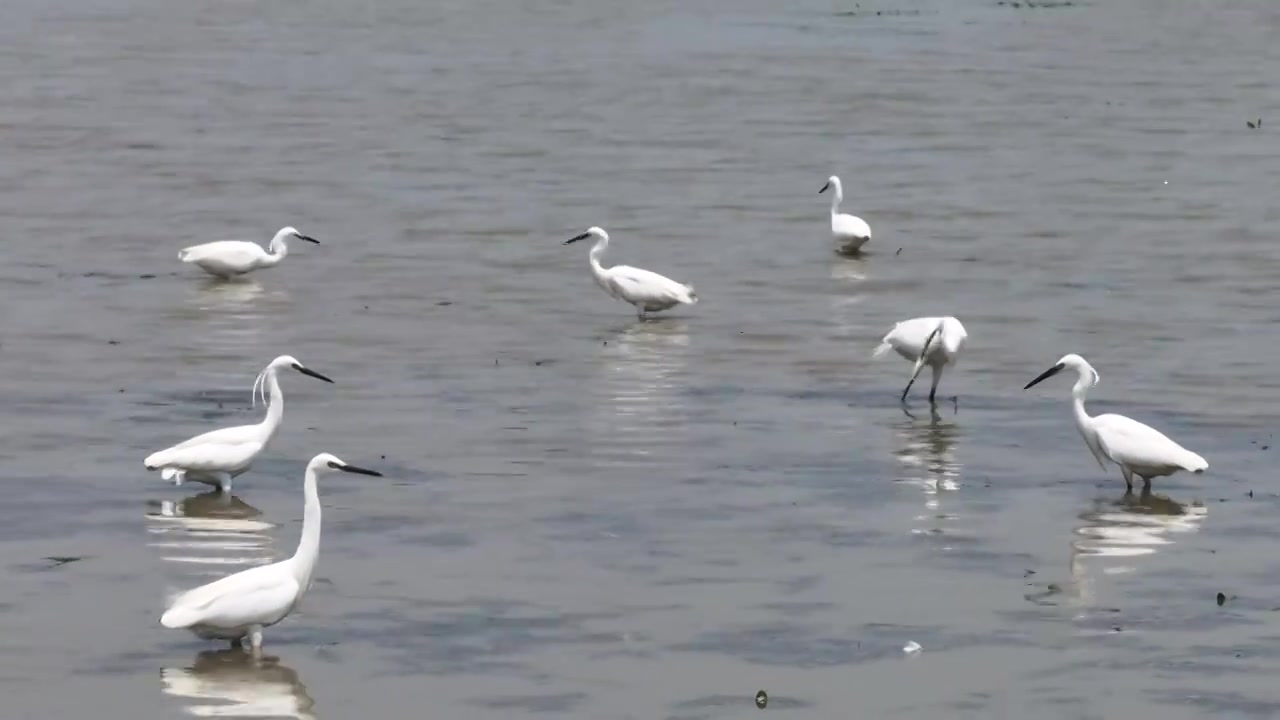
(289, 233)
(832, 181)
(281, 363)
(324, 462)
(1069, 362)
(592, 232)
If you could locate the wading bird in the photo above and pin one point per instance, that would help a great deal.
(850, 232)
(229, 258)
(219, 455)
(647, 291)
(932, 341)
(241, 605)
(1138, 449)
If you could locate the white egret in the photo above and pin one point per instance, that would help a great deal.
(243, 604)
(228, 258)
(932, 341)
(850, 232)
(219, 455)
(1138, 449)
(647, 291)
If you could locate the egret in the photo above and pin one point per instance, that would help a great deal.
(228, 258)
(1138, 449)
(243, 604)
(219, 455)
(850, 232)
(932, 341)
(648, 291)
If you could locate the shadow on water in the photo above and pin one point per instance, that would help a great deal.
(1110, 538)
(213, 533)
(231, 683)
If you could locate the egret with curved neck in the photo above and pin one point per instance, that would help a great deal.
(647, 291)
(1137, 448)
(229, 258)
(220, 455)
(241, 605)
(850, 232)
(932, 341)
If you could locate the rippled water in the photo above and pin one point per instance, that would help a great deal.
(588, 516)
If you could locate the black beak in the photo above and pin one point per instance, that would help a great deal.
(824, 187)
(312, 373)
(1045, 375)
(354, 469)
(576, 238)
(308, 239)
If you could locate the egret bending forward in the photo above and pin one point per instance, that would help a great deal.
(219, 455)
(243, 604)
(229, 258)
(1138, 449)
(647, 291)
(850, 232)
(932, 341)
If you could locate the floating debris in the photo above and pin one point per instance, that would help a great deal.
(762, 699)
(1252, 125)
(1222, 599)
(911, 647)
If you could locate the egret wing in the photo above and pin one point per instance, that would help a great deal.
(231, 435)
(224, 254)
(635, 284)
(213, 456)
(261, 594)
(850, 226)
(1132, 443)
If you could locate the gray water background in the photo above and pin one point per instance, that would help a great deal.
(586, 516)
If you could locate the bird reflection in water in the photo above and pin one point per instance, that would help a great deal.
(848, 318)
(644, 379)
(1112, 535)
(213, 529)
(927, 455)
(231, 683)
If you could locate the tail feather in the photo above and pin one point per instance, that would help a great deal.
(693, 295)
(882, 349)
(178, 617)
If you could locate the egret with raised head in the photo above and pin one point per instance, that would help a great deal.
(229, 258)
(1138, 449)
(849, 231)
(241, 605)
(647, 291)
(932, 341)
(220, 455)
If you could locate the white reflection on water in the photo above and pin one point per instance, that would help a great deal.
(643, 383)
(230, 683)
(926, 452)
(1113, 535)
(211, 530)
(846, 315)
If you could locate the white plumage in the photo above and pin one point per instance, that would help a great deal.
(228, 258)
(1138, 449)
(932, 341)
(218, 456)
(243, 604)
(647, 291)
(849, 231)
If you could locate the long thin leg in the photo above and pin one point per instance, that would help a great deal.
(937, 375)
(1146, 485)
(1128, 478)
(224, 481)
(255, 640)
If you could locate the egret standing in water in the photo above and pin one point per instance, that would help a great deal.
(850, 232)
(243, 604)
(932, 341)
(647, 291)
(229, 258)
(219, 455)
(1138, 449)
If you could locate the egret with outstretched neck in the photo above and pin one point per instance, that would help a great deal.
(932, 341)
(220, 455)
(647, 291)
(849, 231)
(229, 258)
(241, 605)
(1138, 449)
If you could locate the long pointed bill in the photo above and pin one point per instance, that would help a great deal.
(824, 187)
(308, 239)
(354, 469)
(1044, 376)
(924, 352)
(576, 238)
(312, 373)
